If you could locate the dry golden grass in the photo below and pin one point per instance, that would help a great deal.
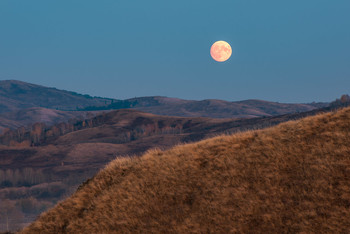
(294, 177)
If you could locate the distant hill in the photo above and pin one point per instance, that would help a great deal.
(210, 108)
(286, 179)
(16, 95)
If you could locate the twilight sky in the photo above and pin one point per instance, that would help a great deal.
(285, 51)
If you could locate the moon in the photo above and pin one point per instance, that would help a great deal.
(220, 51)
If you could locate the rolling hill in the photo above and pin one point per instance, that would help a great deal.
(210, 108)
(290, 178)
(16, 95)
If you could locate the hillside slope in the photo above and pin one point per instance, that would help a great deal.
(16, 95)
(61, 157)
(290, 178)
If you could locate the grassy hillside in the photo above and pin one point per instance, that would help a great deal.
(294, 177)
(34, 178)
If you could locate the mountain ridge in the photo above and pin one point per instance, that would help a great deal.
(16, 95)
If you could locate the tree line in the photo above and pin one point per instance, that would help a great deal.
(39, 133)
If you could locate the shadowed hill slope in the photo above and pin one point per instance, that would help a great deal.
(16, 95)
(290, 178)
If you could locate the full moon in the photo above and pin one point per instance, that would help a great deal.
(220, 51)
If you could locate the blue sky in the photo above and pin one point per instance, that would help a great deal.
(285, 51)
